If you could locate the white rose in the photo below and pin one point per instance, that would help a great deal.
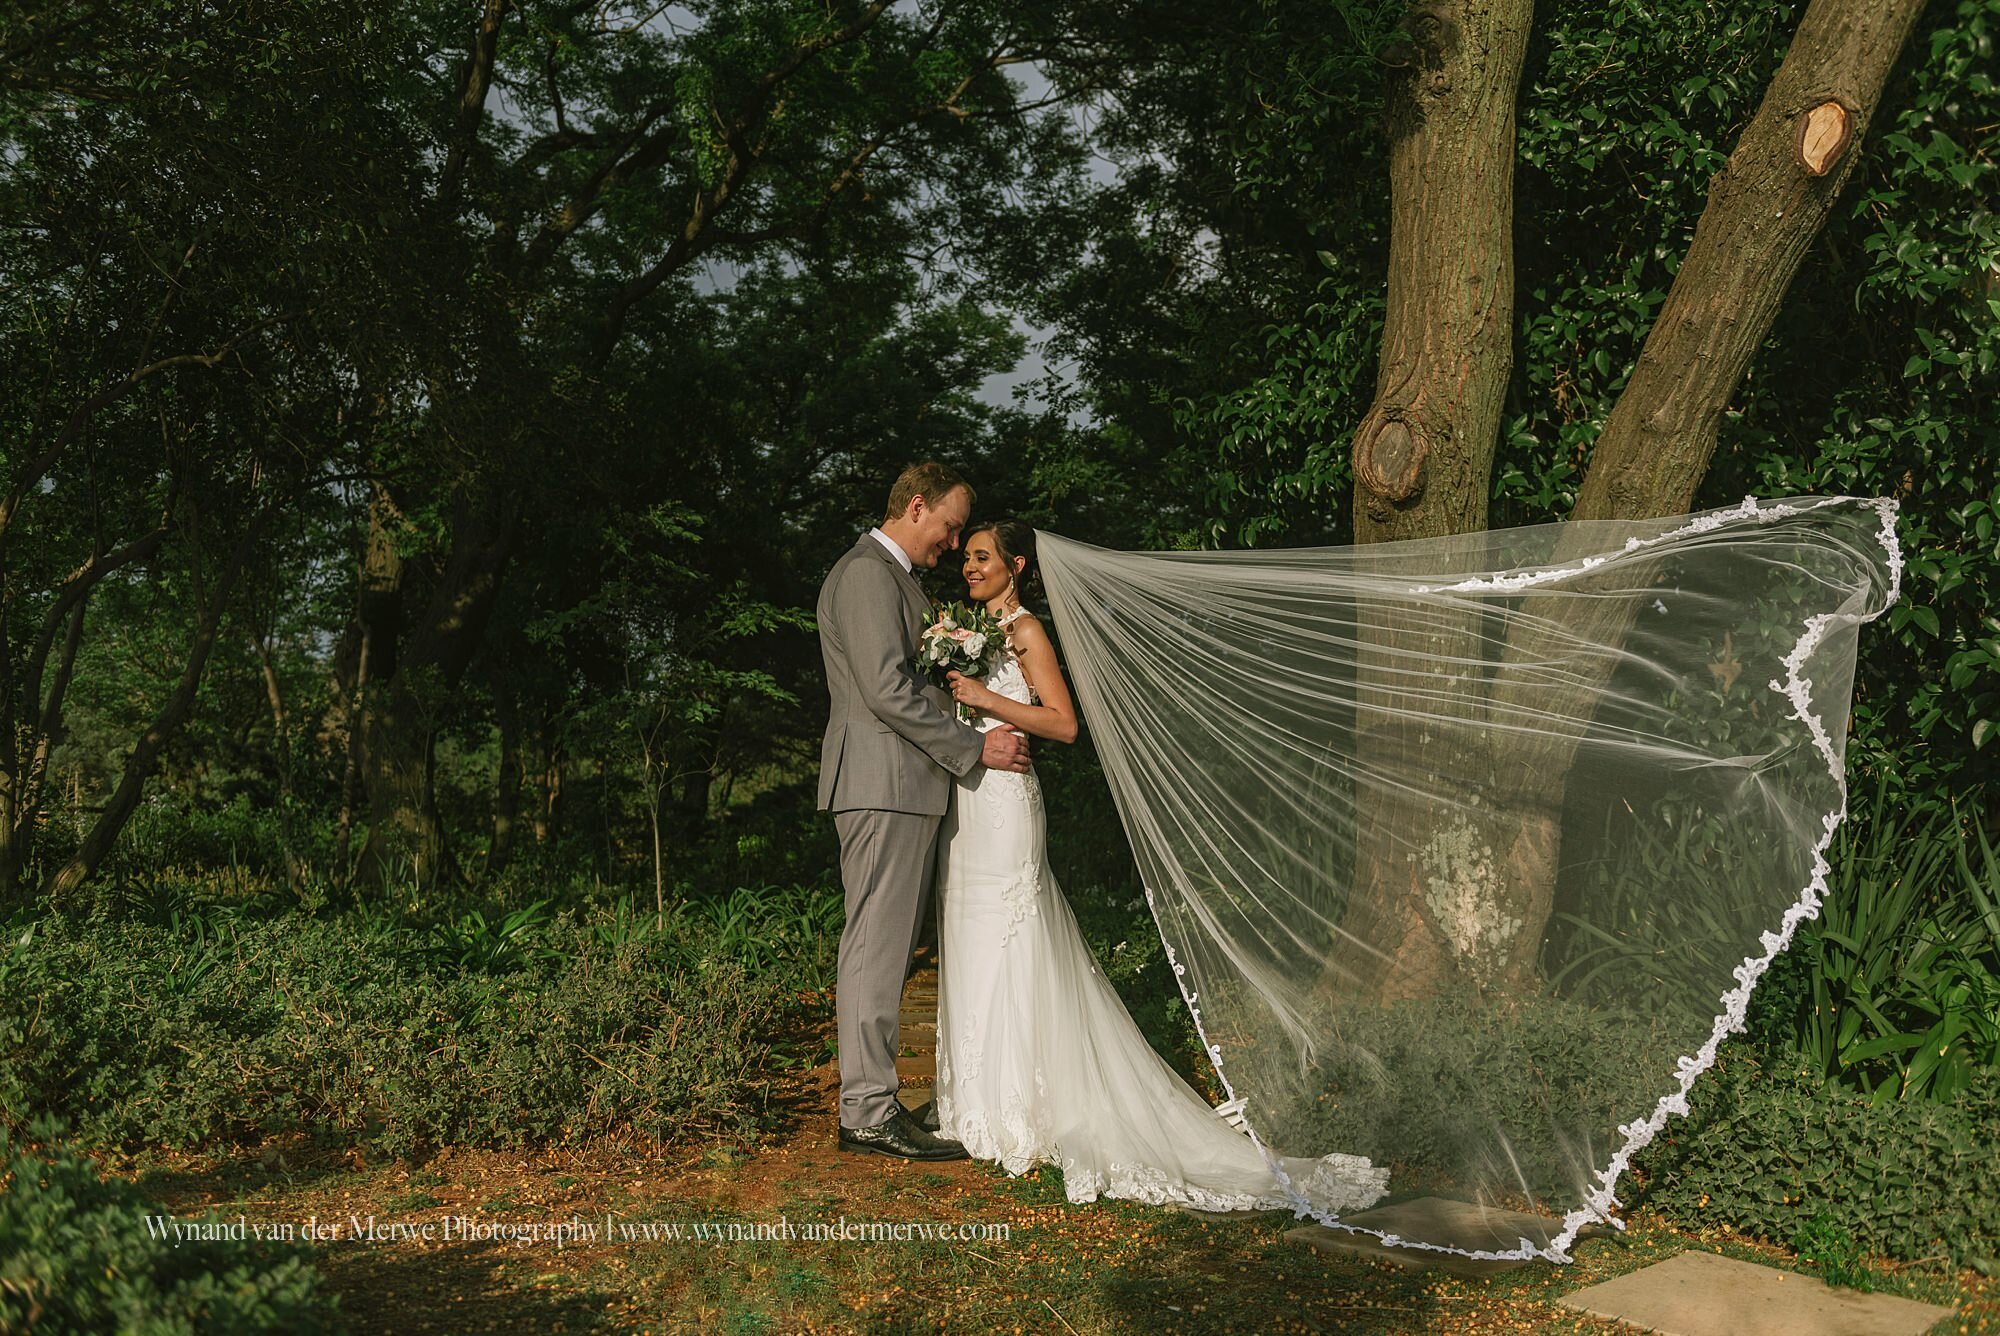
(975, 645)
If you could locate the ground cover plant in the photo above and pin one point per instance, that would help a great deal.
(76, 1256)
(535, 1027)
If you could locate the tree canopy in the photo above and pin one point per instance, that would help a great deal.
(426, 429)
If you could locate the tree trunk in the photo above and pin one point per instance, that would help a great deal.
(21, 782)
(281, 757)
(32, 718)
(350, 777)
(1764, 211)
(604, 811)
(700, 751)
(507, 792)
(379, 613)
(12, 797)
(145, 757)
(548, 780)
(1424, 452)
(405, 829)
(406, 832)
(1765, 208)
(656, 797)
(49, 730)
(390, 746)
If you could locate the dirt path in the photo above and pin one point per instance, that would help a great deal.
(1039, 1264)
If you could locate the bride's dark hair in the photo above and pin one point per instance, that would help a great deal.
(1011, 539)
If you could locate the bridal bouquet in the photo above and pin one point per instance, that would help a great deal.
(963, 639)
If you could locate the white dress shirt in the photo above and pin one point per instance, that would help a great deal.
(902, 557)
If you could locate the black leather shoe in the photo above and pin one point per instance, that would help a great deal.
(899, 1135)
(925, 1115)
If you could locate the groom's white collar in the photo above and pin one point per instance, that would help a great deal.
(902, 557)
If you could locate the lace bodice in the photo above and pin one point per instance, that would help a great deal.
(1007, 679)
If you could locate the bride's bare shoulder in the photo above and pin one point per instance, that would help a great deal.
(1025, 629)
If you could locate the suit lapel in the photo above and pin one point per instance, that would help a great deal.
(914, 601)
(913, 598)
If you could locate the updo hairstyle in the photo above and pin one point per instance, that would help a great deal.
(1011, 539)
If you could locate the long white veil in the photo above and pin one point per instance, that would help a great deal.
(1468, 852)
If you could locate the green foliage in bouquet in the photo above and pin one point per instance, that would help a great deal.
(964, 638)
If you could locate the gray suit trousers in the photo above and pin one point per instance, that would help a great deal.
(885, 866)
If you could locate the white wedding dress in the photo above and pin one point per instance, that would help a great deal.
(1038, 1062)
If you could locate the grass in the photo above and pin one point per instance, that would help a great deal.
(1108, 1267)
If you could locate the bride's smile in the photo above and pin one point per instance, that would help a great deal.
(987, 577)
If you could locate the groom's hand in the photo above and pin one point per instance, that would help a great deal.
(1005, 749)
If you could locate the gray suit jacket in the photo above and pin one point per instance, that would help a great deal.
(892, 740)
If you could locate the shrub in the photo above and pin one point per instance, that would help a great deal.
(1822, 1242)
(1511, 1102)
(1893, 989)
(793, 930)
(1903, 965)
(1769, 1149)
(77, 1255)
(358, 1030)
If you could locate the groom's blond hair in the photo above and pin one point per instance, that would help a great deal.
(930, 480)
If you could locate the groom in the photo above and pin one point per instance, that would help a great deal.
(892, 746)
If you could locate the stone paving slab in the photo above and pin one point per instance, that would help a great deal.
(1701, 1294)
(1434, 1220)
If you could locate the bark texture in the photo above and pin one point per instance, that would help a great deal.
(1423, 456)
(1765, 208)
(409, 686)
(1424, 452)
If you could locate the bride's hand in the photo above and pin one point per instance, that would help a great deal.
(968, 691)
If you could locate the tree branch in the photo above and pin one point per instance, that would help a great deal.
(39, 465)
(619, 166)
(698, 236)
(472, 100)
(145, 754)
(48, 728)
(653, 150)
(1765, 208)
(70, 597)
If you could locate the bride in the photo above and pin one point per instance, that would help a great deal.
(1038, 1061)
